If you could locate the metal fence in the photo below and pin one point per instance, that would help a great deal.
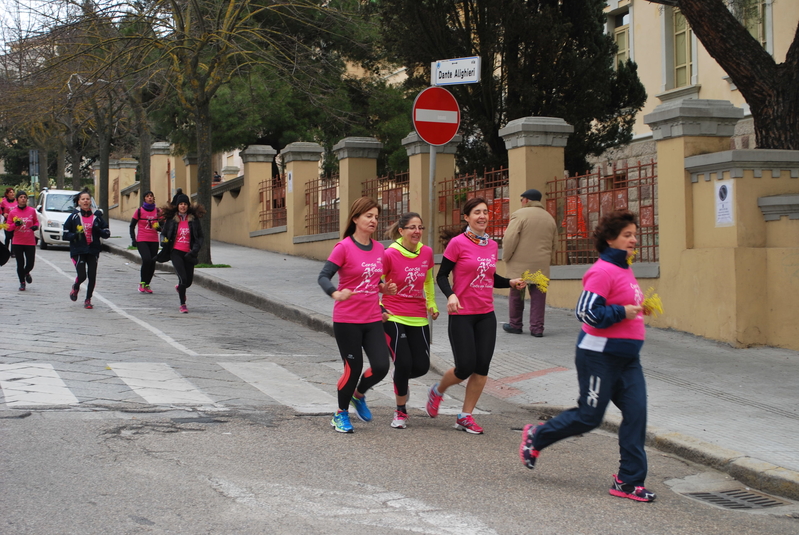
(322, 200)
(272, 194)
(577, 203)
(392, 193)
(491, 185)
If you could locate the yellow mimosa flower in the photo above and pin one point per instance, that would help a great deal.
(538, 279)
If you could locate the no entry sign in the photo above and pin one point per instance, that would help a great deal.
(436, 116)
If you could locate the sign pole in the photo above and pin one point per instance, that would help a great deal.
(431, 225)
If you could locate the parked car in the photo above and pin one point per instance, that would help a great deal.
(53, 208)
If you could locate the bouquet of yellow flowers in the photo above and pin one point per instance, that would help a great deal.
(155, 225)
(17, 220)
(79, 229)
(3, 226)
(538, 279)
(631, 258)
(652, 303)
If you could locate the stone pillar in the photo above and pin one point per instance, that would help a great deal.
(190, 163)
(127, 177)
(257, 160)
(357, 158)
(697, 285)
(301, 161)
(161, 175)
(535, 154)
(419, 170)
(229, 172)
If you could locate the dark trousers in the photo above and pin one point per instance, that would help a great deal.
(86, 269)
(185, 271)
(147, 251)
(26, 257)
(538, 301)
(353, 340)
(472, 337)
(410, 349)
(604, 378)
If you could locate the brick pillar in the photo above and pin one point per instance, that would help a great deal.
(301, 161)
(419, 170)
(357, 158)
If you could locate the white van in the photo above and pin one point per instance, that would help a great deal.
(53, 208)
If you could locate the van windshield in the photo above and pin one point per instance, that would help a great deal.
(59, 203)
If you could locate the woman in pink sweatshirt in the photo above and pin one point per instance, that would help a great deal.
(23, 221)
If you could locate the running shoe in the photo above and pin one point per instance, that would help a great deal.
(341, 422)
(88, 304)
(400, 420)
(28, 278)
(433, 402)
(141, 287)
(73, 293)
(625, 490)
(184, 309)
(527, 452)
(21, 286)
(363, 412)
(468, 424)
(147, 289)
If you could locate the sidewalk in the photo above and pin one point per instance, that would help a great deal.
(732, 409)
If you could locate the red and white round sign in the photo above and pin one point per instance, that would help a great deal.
(436, 116)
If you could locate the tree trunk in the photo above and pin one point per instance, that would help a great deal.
(104, 141)
(75, 155)
(204, 154)
(44, 165)
(143, 129)
(771, 90)
(61, 166)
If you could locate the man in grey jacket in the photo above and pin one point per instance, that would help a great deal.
(530, 243)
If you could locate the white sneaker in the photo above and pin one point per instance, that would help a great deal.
(400, 420)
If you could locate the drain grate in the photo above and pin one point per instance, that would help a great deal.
(737, 499)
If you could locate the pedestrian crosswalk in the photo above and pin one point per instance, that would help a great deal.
(32, 385)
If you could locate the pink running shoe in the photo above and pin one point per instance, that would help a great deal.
(184, 309)
(400, 420)
(141, 287)
(433, 402)
(147, 289)
(626, 490)
(468, 424)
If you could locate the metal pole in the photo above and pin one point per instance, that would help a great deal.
(431, 222)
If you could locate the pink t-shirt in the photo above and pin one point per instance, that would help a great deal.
(619, 287)
(409, 274)
(26, 218)
(473, 274)
(88, 226)
(6, 206)
(360, 271)
(183, 237)
(144, 226)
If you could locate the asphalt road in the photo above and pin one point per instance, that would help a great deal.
(217, 422)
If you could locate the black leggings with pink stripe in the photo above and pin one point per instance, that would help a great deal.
(86, 268)
(353, 340)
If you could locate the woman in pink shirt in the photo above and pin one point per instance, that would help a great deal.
(608, 359)
(23, 221)
(471, 257)
(410, 264)
(83, 230)
(6, 204)
(357, 319)
(144, 227)
(181, 240)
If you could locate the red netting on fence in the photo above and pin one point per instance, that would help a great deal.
(322, 200)
(272, 194)
(391, 192)
(491, 185)
(578, 202)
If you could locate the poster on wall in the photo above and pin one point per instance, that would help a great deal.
(290, 180)
(725, 207)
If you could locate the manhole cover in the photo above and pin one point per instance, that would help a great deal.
(736, 499)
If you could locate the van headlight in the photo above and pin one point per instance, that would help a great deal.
(53, 224)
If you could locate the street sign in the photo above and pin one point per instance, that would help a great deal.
(455, 71)
(436, 116)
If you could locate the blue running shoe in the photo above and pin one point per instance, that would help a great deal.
(341, 422)
(363, 412)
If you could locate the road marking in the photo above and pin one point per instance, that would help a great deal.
(159, 333)
(371, 506)
(283, 386)
(158, 383)
(26, 384)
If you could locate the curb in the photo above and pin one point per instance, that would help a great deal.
(749, 471)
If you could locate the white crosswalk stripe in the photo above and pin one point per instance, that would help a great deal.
(32, 384)
(283, 386)
(159, 384)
